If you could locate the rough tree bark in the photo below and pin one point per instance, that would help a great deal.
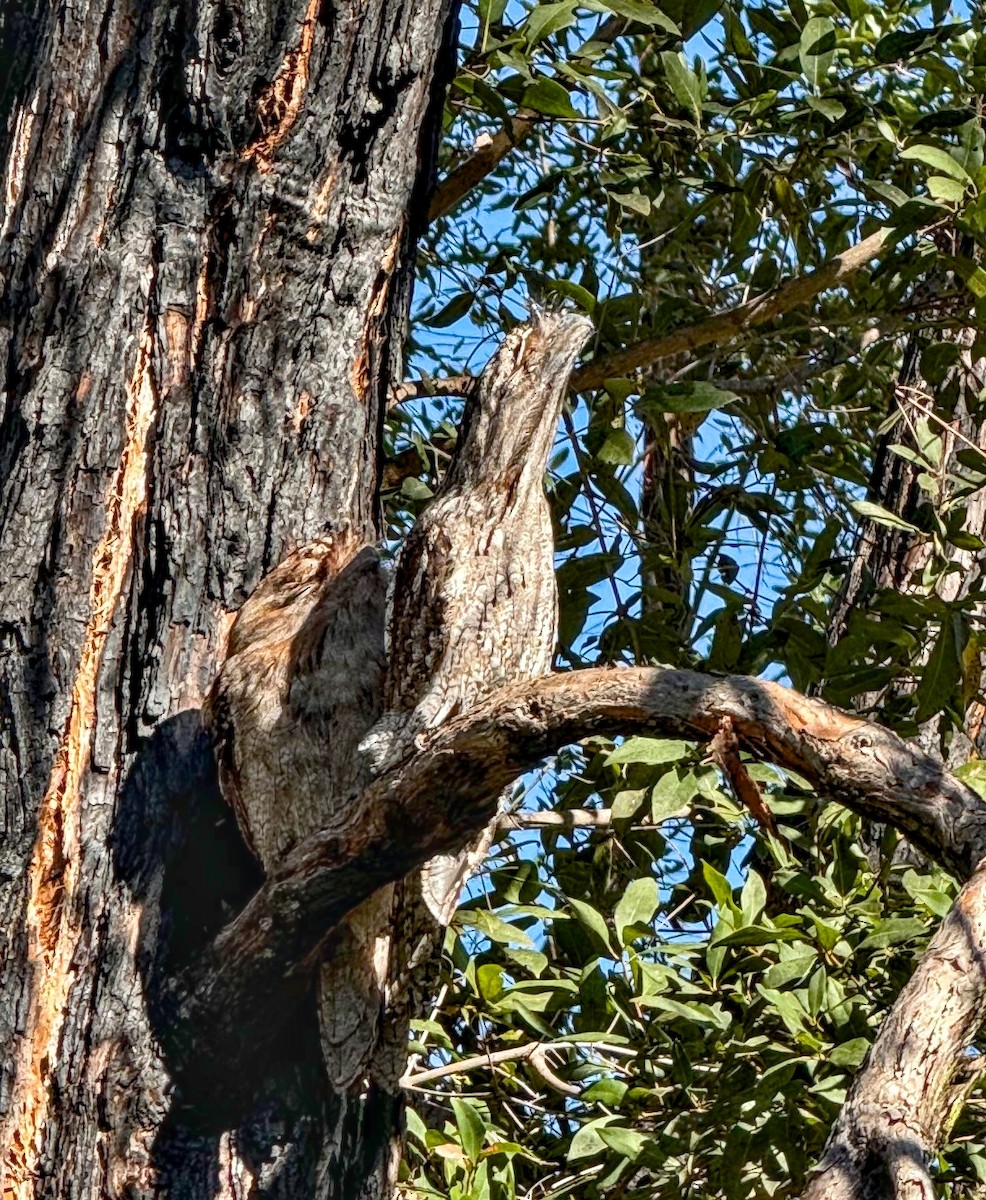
(919, 1069)
(209, 211)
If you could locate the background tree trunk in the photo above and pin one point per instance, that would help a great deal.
(209, 219)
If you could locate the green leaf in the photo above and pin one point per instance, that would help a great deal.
(496, 929)
(646, 14)
(789, 970)
(971, 274)
(943, 671)
(636, 906)
(849, 1054)
(416, 489)
(759, 935)
(787, 1007)
(817, 50)
(471, 1126)
(627, 804)
(619, 448)
(633, 201)
(588, 1142)
(718, 885)
(628, 1143)
(712, 1015)
(753, 897)
(548, 97)
(456, 308)
(948, 191)
(594, 923)
(605, 1091)
(893, 931)
(921, 889)
(882, 516)
(907, 43)
(547, 19)
(684, 83)
(669, 796)
(831, 110)
(941, 160)
(973, 773)
(490, 981)
(491, 11)
(696, 397)
(652, 751)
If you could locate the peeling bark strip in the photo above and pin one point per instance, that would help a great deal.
(54, 925)
(279, 105)
(442, 796)
(913, 1077)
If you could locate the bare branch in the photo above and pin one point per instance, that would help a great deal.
(722, 327)
(420, 389)
(917, 1070)
(463, 1066)
(230, 1001)
(570, 819)
(734, 321)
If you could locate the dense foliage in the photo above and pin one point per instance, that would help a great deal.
(651, 990)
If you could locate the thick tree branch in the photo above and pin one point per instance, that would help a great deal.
(229, 1002)
(901, 1100)
(487, 158)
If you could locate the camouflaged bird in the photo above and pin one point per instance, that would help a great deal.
(301, 684)
(474, 602)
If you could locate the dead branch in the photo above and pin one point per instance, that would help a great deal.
(724, 752)
(734, 321)
(487, 158)
(716, 330)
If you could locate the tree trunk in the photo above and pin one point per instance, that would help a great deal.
(209, 220)
(919, 1069)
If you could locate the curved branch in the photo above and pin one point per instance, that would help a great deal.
(231, 1000)
(421, 389)
(913, 1079)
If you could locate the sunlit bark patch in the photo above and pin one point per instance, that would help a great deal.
(17, 163)
(54, 927)
(360, 373)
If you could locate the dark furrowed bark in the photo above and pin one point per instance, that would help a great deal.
(204, 264)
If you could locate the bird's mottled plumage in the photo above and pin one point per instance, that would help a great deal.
(474, 599)
(301, 684)
(296, 710)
